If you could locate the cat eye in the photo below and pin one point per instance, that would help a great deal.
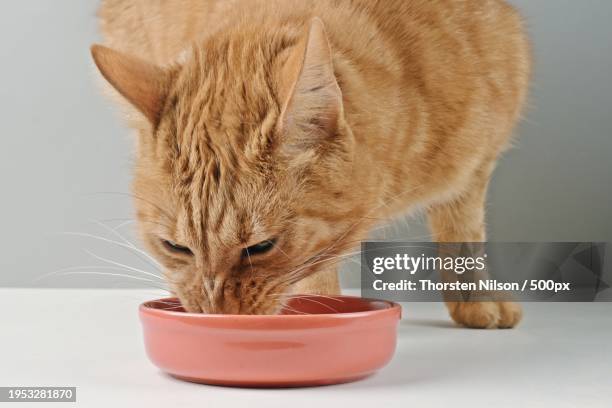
(259, 248)
(176, 248)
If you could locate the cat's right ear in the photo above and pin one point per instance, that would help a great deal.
(313, 100)
(144, 85)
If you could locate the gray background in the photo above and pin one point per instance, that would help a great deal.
(66, 156)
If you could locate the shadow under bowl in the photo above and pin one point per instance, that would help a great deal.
(315, 341)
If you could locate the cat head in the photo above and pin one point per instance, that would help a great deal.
(243, 166)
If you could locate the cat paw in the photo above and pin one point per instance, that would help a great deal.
(486, 315)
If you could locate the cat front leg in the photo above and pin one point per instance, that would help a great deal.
(463, 220)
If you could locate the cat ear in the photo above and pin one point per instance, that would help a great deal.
(144, 85)
(313, 101)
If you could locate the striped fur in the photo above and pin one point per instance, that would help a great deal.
(249, 141)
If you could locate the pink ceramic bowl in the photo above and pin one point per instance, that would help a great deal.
(320, 341)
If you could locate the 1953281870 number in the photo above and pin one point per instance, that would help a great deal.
(65, 394)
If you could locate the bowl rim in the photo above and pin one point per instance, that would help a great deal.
(392, 308)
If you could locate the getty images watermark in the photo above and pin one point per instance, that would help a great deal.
(425, 271)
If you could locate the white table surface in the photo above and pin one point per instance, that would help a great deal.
(561, 356)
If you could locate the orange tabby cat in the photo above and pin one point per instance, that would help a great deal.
(273, 134)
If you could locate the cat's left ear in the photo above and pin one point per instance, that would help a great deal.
(313, 100)
(143, 84)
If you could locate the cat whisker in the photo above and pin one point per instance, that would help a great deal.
(325, 258)
(307, 294)
(148, 258)
(122, 224)
(249, 258)
(117, 219)
(319, 259)
(317, 302)
(283, 252)
(359, 221)
(298, 274)
(127, 221)
(114, 231)
(127, 267)
(285, 307)
(350, 254)
(142, 219)
(150, 281)
(164, 211)
(78, 268)
(148, 292)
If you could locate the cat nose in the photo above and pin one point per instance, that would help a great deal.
(221, 306)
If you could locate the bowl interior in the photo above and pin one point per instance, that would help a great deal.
(300, 305)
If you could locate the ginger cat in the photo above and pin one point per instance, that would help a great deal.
(273, 134)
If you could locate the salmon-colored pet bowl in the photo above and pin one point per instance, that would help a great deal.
(314, 341)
